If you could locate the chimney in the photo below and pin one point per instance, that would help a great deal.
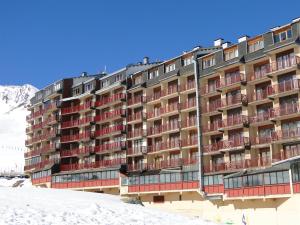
(243, 38)
(146, 60)
(218, 42)
(83, 74)
(226, 44)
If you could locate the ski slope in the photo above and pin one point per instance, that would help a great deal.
(38, 206)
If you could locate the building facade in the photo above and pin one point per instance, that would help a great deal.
(214, 124)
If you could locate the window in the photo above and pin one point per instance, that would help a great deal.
(137, 80)
(231, 53)
(153, 74)
(76, 91)
(118, 77)
(170, 67)
(187, 61)
(255, 45)
(57, 87)
(88, 87)
(282, 35)
(208, 62)
(105, 83)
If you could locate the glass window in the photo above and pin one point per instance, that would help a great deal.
(273, 178)
(205, 181)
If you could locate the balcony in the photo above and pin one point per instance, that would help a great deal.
(258, 141)
(259, 75)
(70, 138)
(154, 97)
(110, 115)
(76, 152)
(213, 148)
(210, 89)
(287, 111)
(85, 121)
(31, 153)
(189, 105)
(164, 146)
(170, 91)
(156, 130)
(235, 143)
(110, 130)
(188, 87)
(136, 117)
(29, 130)
(154, 114)
(212, 107)
(137, 100)
(109, 147)
(170, 109)
(263, 118)
(136, 151)
(70, 124)
(52, 106)
(259, 97)
(29, 117)
(110, 100)
(286, 135)
(70, 110)
(213, 128)
(231, 81)
(284, 88)
(170, 127)
(41, 164)
(189, 123)
(280, 66)
(286, 154)
(233, 122)
(38, 113)
(234, 101)
(91, 165)
(189, 142)
(137, 133)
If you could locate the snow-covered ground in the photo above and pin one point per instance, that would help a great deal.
(64, 207)
(15, 182)
(13, 102)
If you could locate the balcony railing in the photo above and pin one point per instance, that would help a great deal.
(235, 120)
(259, 96)
(137, 150)
(170, 90)
(216, 125)
(170, 108)
(170, 126)
(86, 120)
(286, 134)
(113, 146)
(188, 86)
(111, 99)
(154, 97)
(136, 133)
(286, 154)
(212, 106)
(285, 86)
(287, 109)
(86, 105)
(259, 74)
(154, 113)
(154, 130)
(189, 142)
(96, 164)
(233, 100)
(208, 89)
(110, 130)
(190, 103)
(70, 110)
(262, 117)
(164, 146)
(261, 140)
(285, 64)
(189, 122)
(235, 142)
(234, 79)
(70, 123)
(110, 115)
(135, 116)
(136, 100)
(213, 147)
(70, 138)
(41, 164)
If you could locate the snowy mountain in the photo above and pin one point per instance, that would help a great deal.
(13, 102)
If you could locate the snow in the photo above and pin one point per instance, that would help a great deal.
(15, 182)
(13, 102)
(62, 207)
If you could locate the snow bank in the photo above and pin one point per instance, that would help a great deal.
(49, 206)
(15, 182)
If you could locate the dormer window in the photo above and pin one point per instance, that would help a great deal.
(118, 77)
(88, 87)
(137, 79)
(187, 61)
(282, 35)
(76, 91)
(57, 87)
(153, 74)
(255, 44)
(208, 62)
(170, 67)
(105, 83)
(231, 53)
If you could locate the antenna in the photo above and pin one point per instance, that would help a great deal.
(105, 69)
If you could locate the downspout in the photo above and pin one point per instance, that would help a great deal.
(198, 128)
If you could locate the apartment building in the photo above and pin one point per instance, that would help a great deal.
(216, 125)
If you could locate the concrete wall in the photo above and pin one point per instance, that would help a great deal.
(280, 211)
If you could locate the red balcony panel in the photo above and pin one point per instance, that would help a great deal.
(188, 86)
(170, 126)
(86, 105)
(109, 130)
(170, 90)
(233, 100)
(111, 99)
(41, 164)
(260, 73)
(190, 161)
(259, 96)
(190, 103)
(154, 113)
(287, 109)
(69, 110)
(69, 152)
(69, 138)
(238, 77)
(286, 134)
(236, 142)
(261, 140)
(212, 106)
(154, 130)
(285, 64)
(136, 116)
(213, 126)
(213, 189)
(234, 120)
(110, 146)
(207, 89)
(110, 115)
(214, 168)
(189, 122)
(70, 123)
(170, 108)
(136, 100)
(261, 117)
(136, 133)
(285, 86)
(86, 120)
(154, 97)
(137, 150)
(38, 113)
(164, 146)
(213, 147)
(189, 142)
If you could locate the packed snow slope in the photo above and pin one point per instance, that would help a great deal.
(39, 206)
(13, 111)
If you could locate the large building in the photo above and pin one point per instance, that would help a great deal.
(217, 125)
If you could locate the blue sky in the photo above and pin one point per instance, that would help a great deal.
(43, 41)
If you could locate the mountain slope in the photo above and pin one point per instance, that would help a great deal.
(13, 102)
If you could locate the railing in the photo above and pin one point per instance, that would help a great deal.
(190, 103)
(86, 105)
(285, 86)
(170, 108)
(154, 130)
(286, 154)
(235, 142)
(111, 99)
(285, 64)
(86, 120)
(170, 126)
(286, 134)
(38, 113)
(110, 115)
(51, 106)
(261, 117)
(214, 126)
(233, 79)
(212, 106)
(69, 110)
(188, 86)
(137, 150)
(259, 95)
(136, 100)
(213, 147)
(287, 109)
(69, 138)
(235, 99)
(234, 120)
(259, 74)
(154, 97)
(110, 130)
(110, 146)
(208, 89)
(164, 146)
(136, 133)
(96, 164)
(70, 123)
(261, 140)
(135, 116)
(189, 142)
(170, 90)
(41, 164)
(189, 122)
(154, 113)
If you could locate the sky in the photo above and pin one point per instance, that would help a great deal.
(44, 41)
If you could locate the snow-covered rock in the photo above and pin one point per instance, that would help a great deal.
(13, 111)
(62, 207)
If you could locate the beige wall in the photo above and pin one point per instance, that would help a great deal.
(280, 211)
